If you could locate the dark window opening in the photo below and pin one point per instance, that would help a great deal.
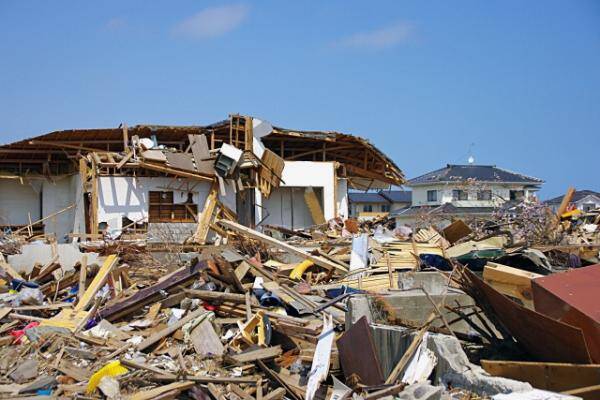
(458, 195)
(162, 209)
(432, 195)
(516, 195)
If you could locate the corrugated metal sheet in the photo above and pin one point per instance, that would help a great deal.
(572, 297)
(542, 336)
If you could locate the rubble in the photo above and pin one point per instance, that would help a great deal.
(219, 305)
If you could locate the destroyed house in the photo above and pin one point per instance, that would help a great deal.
(170, 183)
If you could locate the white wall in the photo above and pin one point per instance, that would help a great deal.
(286, 207)
(17, 200)
(500, 193)
(303, 174)
(120, 197)
(57, 195)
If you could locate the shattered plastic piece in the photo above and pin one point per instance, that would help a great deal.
(111, 369)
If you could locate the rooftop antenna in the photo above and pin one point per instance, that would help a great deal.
(471, 159)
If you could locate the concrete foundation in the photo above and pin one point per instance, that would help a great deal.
(410, 304)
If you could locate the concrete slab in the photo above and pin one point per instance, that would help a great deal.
(39, 252)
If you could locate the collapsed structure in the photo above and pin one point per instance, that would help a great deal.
(111, 179)
(220, 262)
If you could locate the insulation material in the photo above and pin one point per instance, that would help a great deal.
(421, 365)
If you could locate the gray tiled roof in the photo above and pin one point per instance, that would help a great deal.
(384, 196)
(578, 195)
(482, 173)
(444, 209)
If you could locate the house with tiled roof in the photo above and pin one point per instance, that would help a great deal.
(366, 205)
(584, 200)
(466, 191)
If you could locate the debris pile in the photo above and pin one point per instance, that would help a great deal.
(156, 298)
(282, 316)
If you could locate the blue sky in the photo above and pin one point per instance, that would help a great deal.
(518, 82)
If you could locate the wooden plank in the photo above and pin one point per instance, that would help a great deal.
(205, 218)
(260, 354)
(169, 330)
(205, 340)
(39, 221)
(279, 244)
(456, 231)
(99, 280)
(152, 293)
(124, 160)
(314, 206)
(586, 393)
(565, 202)
(510, 281)
(172, 171)
(556, 377)
(159, 391)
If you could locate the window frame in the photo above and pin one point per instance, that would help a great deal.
(459, 195)
(432, 195)
(163, 209)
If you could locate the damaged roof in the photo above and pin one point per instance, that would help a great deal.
(356, 155)
(482, 173)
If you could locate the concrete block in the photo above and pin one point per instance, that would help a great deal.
(421, 391)
(453, 367)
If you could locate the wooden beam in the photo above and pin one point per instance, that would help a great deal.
(556, 377)
(170, 329)
(565, 202)
(172, 171)
(99, 280)
(245, 231)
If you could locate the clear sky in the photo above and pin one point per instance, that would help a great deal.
(516, 81)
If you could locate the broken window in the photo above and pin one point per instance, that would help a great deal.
(163, 209)
(484, 195)
(458, 194)
(432, 195)
(517, 195)
(367, 208)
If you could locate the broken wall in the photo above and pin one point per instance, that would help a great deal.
(301, 175)
(120, 197)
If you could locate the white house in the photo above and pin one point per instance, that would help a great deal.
(584, 200)
(465, 191)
